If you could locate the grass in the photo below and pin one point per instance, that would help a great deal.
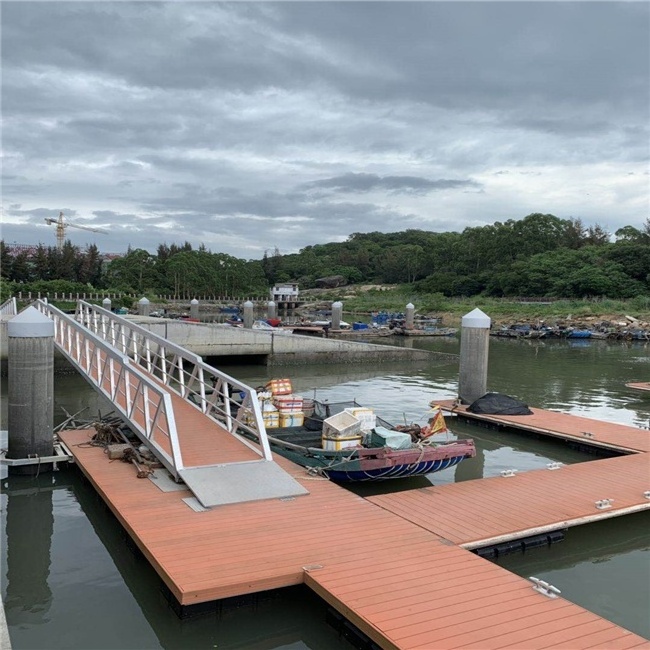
(499, 309)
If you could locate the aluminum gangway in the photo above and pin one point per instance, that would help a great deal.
(176, 404)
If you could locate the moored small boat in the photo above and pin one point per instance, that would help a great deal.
(330, 442)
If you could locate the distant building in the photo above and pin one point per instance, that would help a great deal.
(284, 295)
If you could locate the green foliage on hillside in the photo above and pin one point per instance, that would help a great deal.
(539, 255)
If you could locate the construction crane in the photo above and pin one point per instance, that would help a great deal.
(62, 225)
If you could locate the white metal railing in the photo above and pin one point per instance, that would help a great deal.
(183, 372)
(9, 308)
(139, 399)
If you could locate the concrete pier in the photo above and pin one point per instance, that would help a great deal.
(337, 313)
(31, 389)
(248, 315)
(217, 340)
(194, 309)
(143, 306)
(271, 309)
(474, 345)
(410, 316)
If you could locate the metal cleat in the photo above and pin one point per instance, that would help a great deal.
(604, 504)
(554, 465)
(509, 472)
(545, 588)
(646, 494)
(587, 434)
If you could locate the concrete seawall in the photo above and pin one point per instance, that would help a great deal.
(217, 340)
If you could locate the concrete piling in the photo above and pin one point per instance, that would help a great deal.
(248, 315)
(337, 313)
(410, 316)
(474, 345)
(106, 304)
(143, 306)
(194, 309)
(271, 309)
(30, 346)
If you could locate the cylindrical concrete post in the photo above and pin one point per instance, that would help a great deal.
(194, 309)
(337, 314)
(410, 316)
(143, 306)
(248, 314)
(474, 345)
(271, 309)
(30, 346)
(106, 304)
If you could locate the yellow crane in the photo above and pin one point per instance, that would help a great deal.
(62, 225)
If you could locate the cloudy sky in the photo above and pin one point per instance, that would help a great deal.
(251, 126)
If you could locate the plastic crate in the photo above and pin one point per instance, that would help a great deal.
(338, 443)
(291, 419)
(279, 387)
(366, 416)
(288, 403)
(271, 419)
(341, 425)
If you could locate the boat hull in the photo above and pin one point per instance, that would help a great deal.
(378, 464)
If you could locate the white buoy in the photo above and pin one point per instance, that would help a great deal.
(474, 345)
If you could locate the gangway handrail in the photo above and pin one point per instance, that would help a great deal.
(184, 373)
(145, 405)
(9, 307)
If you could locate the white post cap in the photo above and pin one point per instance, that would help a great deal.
(337, 305)
(143, 301)
(248, 303)
(271, 303)
(194, 301)
(30, 324)
(410, 306)
(476, 318)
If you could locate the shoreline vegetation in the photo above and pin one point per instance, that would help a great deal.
(363, 301)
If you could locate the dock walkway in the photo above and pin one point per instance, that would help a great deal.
(397, 580)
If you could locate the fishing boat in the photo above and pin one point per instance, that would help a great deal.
(346, 442)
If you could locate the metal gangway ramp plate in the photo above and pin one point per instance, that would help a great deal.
(182, 409)
(219, 485)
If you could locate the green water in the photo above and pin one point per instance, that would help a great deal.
(70, 579)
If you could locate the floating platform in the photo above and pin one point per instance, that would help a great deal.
(401, 583)
(620, 438)
(644, 385)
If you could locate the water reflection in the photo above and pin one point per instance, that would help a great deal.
(29, 526)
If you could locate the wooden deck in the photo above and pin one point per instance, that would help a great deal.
(643, 385)
(488, 511)
(402, 584)
(597, 433)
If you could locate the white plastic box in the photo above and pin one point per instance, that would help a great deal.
(366, 416)
(341, 425)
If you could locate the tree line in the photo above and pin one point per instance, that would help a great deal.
(539, 255)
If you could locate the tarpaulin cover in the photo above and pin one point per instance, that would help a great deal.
(498, 404)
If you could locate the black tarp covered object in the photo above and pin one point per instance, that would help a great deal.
(498, 404)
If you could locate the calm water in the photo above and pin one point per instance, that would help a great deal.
(71, 580)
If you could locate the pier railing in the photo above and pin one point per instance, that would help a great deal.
(221, 397)
(139, 399)
(9, 308)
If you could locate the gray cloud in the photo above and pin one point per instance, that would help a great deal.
(395, 184)
(247, 126)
